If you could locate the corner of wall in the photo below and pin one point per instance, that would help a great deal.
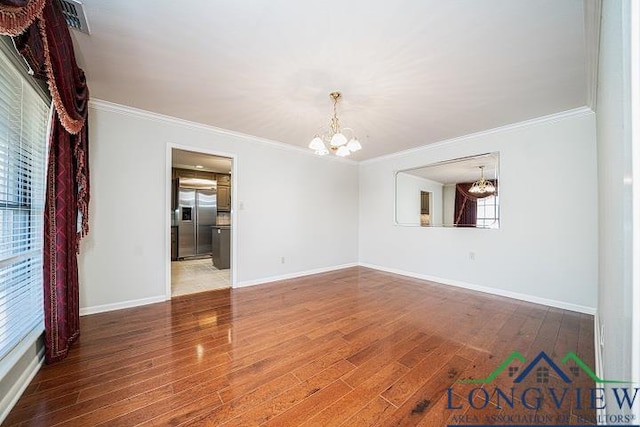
(486, 289)
(25, 366)
(120, 305)
(297, 274)
(598, 345)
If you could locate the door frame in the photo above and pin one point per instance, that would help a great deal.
(634, 49)
(167, 204)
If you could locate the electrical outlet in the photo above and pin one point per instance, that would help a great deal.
(472, 256)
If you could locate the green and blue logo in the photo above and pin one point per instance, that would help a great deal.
(558, 387)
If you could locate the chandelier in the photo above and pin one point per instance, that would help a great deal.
(482, 186)
(335, 138)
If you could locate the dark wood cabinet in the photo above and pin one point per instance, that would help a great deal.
(174, 193)
(223, 182)
(224, 192)
(223, 179)
(188, 173)
(174, 243)
(224, 198)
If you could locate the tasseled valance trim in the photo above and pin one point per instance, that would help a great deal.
(14, 19)
(41, 36)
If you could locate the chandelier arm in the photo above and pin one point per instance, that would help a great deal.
(337, 142)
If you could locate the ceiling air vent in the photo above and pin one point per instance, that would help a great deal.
(74, 14)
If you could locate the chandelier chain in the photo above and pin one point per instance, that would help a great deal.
(338, 143)
(335, 123)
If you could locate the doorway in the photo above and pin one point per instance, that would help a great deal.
(200, 216)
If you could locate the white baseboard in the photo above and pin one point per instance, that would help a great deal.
(488, 290)
(515, 295)
(15, 392)
(293, 275)
(120, 305)
(161, 298)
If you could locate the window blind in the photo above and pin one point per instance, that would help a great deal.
(23, 131)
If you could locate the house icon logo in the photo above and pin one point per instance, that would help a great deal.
(541, 371)
(541, 367)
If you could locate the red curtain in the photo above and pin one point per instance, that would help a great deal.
(466, 208)
(41, 35)
(466, 204)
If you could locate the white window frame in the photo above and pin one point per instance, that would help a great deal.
(12, 353)
(494, 219)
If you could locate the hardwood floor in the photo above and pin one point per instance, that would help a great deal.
(354, 347)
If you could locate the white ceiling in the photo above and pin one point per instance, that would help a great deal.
(412, 72)
(191, 160)
(459, 170)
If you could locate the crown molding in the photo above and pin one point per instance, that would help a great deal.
(99, 104)
(551, 118)
(102, 105)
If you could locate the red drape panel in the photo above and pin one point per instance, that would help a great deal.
(466, 209)
(62, 313)
(42, 37)
(466, 205)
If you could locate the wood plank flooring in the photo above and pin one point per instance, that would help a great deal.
(354, 347)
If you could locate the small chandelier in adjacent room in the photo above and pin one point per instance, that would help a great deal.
(482, 186)
(336, 139)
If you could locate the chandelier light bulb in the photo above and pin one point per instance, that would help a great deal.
(343, 151)
(322, 151)
(316, 143)
(354, 145)
(338, 140)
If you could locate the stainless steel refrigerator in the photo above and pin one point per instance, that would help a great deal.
(197, 212)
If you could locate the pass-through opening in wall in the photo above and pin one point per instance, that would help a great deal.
(200, 216)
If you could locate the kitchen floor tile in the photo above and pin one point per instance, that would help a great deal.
(197, 275)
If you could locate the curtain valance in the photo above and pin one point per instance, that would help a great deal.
(17, 15)
(41, 35)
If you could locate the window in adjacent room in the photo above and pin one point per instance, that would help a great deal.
(24, 114)
(487, 209)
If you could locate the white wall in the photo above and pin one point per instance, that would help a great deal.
(409, 200)
(546, 247)
(292, 199)
(614, 172)
(24, 360)
(296, 206)
(449, 204)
